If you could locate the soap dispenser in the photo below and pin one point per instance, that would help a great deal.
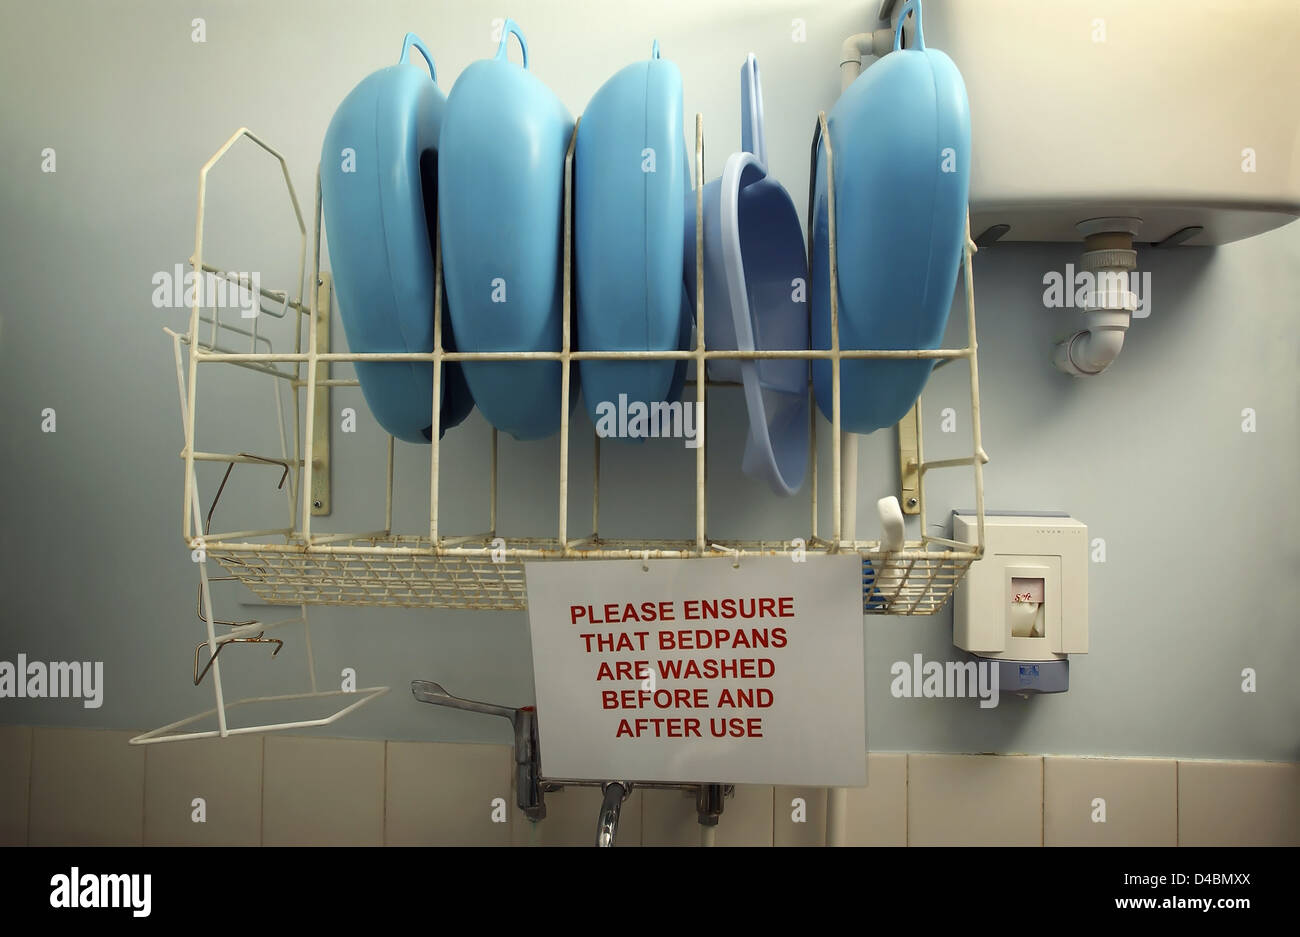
(1024, 605)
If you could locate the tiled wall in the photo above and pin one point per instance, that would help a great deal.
(79, 786)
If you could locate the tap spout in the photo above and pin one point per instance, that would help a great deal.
(607, 825)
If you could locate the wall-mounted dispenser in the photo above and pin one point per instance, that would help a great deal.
(1025, 604)
(1114, 124)
(1180, 114)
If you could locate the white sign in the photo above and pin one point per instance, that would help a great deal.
(700, 671)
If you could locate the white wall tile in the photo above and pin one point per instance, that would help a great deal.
(87, 788)
(798, 816)
(975, 800)
(15, 780)
(876, 815)
(225, 773)
(1139, 797)
(443, 793)
(321, 791)
(1230, 803)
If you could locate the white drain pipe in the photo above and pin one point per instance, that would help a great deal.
(837, 798)
(1108, 258)
(879, 42)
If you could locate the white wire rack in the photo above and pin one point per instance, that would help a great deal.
(244, 631)
(291, 565)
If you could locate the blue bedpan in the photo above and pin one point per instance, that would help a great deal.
(755, 272)
(501, 203)
(631, 186)
(379, 198)
(901, 139)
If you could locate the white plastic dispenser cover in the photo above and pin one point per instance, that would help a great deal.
(1182, 114)
(1027, 598)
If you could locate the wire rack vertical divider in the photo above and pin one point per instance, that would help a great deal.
(292, 566)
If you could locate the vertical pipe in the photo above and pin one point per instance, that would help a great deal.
(194, 512)
(837, 797)
(199, 288)
(298, 462)
(700, 369)
(492, 486)
(812, 398)
(257, 317)
(388, 492)
(434, 433)
(284, 443)
(305, 485)
(311, 657)
(812, 459)
(837, 469)
(186, 520)
(205, 589)
(972, 345)
(849, 479)
(920, 476)
(595, 485)
(837, 807)
(565, 362)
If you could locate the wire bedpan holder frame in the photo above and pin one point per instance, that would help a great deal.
(291, 565)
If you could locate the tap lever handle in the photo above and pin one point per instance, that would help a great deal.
(528, 769)
(426, 691)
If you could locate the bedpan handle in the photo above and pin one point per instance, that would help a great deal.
(508, 29)
(413, 40)
(913, 7)
(753, 139)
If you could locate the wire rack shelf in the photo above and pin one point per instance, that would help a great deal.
(292, 565)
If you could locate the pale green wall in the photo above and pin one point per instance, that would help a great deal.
(1199, 518)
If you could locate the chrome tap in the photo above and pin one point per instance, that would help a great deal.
(709, 802)
(531, 788)
(607, 824)
(528, 770)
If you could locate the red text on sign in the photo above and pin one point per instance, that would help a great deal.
(624, 670)
(620, 641)
(686, 727)
(679, 698)
(614, 613)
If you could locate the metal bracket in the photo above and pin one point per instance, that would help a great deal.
(909, 459)
(320, 445)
